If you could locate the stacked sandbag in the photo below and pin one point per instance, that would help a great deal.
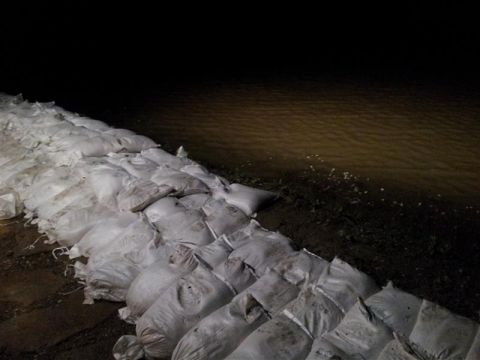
(360, 335)
(187, 301)
(156, 278)
(218, 334)
(201, 279)
(316, 310)
(393, 325)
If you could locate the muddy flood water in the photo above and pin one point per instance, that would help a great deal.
(408, 137)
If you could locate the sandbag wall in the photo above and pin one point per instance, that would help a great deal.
(200, 277)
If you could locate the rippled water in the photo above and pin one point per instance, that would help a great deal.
(416, 139)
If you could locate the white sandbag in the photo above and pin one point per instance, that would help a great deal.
(102, 234)
(161, 157)
(75, 197)
(213, 181)
(185, 303)
(301, 267)
(343, 284)
(265, 250)
(111, 269)
(136, 143)
(90, 124)
(360, 333)
(73, 225)
(223, 218)
(47, 185)
(137, 194)
(289, 335)
(99, 145)
(218, 334)
(251, 231)
(155, 279)
(105, 179)
(10, 204)
(162, 208)
(184, 184)
(108, 278)
(441, 333)
(401, 350)
(398, 309)
(12, 168)
(128, 348)
(247, 199)
(135, 164)
(194, 201)
(186, 226)
(151, 283)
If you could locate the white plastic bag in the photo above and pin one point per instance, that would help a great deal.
(246, 198)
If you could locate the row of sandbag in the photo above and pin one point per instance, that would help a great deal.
(200, 279)
(254, 297)
(123, 210)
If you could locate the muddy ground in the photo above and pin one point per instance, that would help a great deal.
(424, 244)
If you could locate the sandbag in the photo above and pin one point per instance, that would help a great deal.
(218, 334)
(253, 230)
(102, 234)
(151, 283)
(301, 267)
(183, 184)
(401, 350)
(155, 279)
(74, 224)
(361, 333)
(441, 333)
(162, 208)
(137, 194)
(185, 226)
(289, 335)
(265, 250)
(161, 157)
(133, 163)
(398, 309)
(247, 199)
(343, 284)
(10, 204)
(223, 218)
(186, 302)
(213, 181)
(194, 201)
(111, 270)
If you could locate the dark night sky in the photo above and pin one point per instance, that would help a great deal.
(81, 47)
